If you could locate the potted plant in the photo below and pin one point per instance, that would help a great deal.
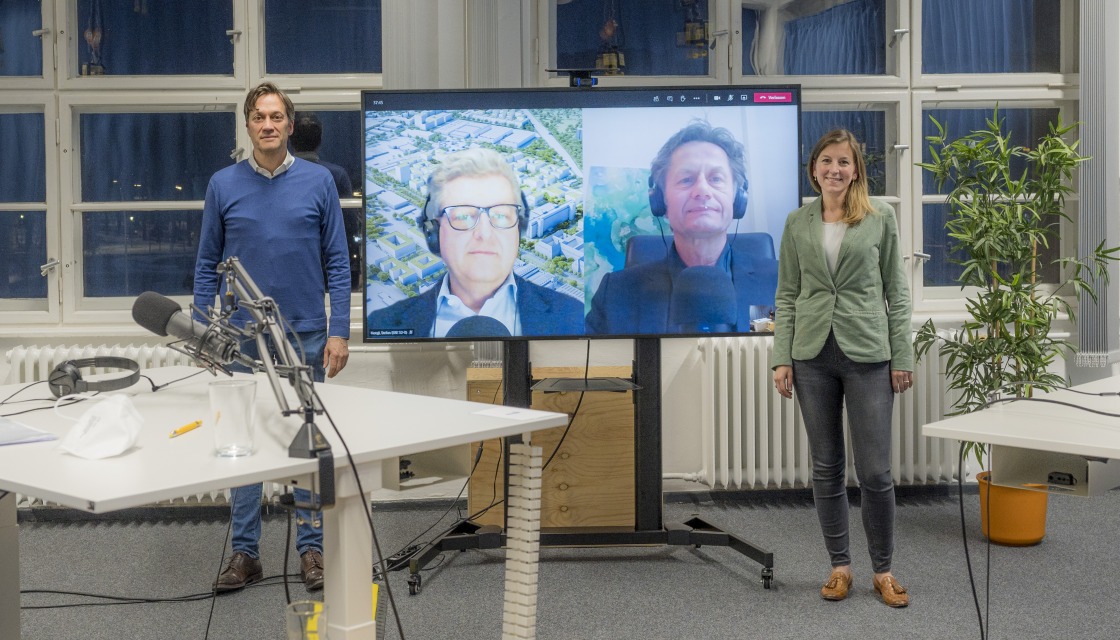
(1005, 204)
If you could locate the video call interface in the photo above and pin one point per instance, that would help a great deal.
(582, 158)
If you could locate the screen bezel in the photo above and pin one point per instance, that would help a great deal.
(558, 97)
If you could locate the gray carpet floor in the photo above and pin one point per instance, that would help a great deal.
(1060, 588)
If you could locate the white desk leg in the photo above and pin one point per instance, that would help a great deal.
(9, 568)
(523, 535)
(348, 556)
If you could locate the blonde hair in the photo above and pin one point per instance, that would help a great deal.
(857, 200)
(473, 162)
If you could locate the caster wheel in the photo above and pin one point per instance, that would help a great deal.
(767, 577)
(415, 583)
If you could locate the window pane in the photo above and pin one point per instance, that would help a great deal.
(22, 158)
(798, 39)
(627, 37)
(21, 54)
(149, 37)
(993, 36)
(23, 248)
(869, 127)
(129, 252)
(333, 139)
(326, 36)
(152, 156)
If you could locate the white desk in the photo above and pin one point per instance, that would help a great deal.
(377, 425)
(1047, 446)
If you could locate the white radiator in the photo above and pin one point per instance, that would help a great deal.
(755, 439)
(34, 363)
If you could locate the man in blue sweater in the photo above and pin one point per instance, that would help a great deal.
(280, 216)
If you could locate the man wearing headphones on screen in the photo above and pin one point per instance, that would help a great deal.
(698, 182)
(473, 220)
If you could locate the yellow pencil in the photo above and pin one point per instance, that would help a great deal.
(185, 428)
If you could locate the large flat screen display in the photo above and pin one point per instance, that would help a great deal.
(572, 213)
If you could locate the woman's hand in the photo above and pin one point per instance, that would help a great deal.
(901, 380)
(783, 380)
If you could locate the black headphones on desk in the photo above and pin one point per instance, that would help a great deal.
(67, 376)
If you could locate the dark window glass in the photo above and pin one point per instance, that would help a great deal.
(845, 39)
(22, 158)
(21, 53)
(150, 37)
(993, 36)
(869, 127)
(153, 156)
(326, 36)
(128, 252)
(1025, 126)
(23, 248)
(628, 37)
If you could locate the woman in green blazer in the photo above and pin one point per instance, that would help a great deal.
(842, 335)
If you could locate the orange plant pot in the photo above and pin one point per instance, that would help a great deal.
(1017, 516)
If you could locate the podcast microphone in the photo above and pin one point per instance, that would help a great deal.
(163, 316)
(478, 327)
(703, 301)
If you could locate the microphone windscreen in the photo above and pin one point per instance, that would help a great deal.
(703, 297)
(153, 311)
(478, 327)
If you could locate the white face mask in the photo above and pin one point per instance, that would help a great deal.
(108, 428)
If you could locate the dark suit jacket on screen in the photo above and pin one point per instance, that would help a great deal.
(635, 300)
(542, 311)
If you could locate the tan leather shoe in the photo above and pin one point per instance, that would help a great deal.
(837, 586)
(311, 569)
(242, 570)
(892, 593)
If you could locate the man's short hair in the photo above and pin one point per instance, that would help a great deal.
(308, 132)
(700, 131)
(469, 163)
(264, 89)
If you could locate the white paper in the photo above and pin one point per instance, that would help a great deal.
(12, 432)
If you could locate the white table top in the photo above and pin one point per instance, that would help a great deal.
(376, 425)
(1045, 426)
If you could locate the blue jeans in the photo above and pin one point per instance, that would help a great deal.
(825, 385)
(245, 502)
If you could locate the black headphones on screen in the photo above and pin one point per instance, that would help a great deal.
(431, 221)
(66, 378)
(658, 208)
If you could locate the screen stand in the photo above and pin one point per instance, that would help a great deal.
(649, 528)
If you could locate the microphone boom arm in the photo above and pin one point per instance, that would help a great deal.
(309, 441)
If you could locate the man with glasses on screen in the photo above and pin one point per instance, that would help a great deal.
(473, 220)
(280, 216)
(700, 283)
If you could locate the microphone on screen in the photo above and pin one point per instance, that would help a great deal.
(703, 301)
(210, 344)
(478, 327)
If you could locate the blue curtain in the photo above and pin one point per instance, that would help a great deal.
(23, 247)
(325, 36)
(22, 158)
(992, 36)
(847, 39)
(21, 54)
(750, 29)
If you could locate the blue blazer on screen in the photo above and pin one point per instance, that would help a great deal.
(542, 312)
(635, 300)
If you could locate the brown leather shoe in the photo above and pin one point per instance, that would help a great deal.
(892, 593)
(242, 570)
(311, 569)
(837, 586)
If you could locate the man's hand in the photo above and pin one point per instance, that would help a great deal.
(335, 354)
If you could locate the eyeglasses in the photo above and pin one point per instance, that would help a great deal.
(463, 217)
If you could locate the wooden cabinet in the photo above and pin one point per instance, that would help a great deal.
(590, 479)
